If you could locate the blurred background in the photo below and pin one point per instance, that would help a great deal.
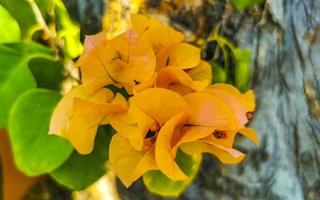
(278, 56)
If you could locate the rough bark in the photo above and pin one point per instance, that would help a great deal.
(285, 45)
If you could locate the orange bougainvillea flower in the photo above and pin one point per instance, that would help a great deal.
(128, 163)
(160, 104)
(79, 113)
(133, 125)
(159, 36)
(170, 103)
(92, 63)
(178, 80)
(182, 55)
(208, 115)
(242, 104)
(125, 59)
(202, 72)
(151, 108)
(180, 121)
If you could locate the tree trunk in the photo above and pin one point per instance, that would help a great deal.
(285, 44)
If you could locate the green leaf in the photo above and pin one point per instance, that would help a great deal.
(47, 73)
(68, 30)
(9, 28)
(243, 4)
(158, 183)
(80, 171)
(15, 75)
(35, 151)
(219, 75)
(23, 13)
(242, 69)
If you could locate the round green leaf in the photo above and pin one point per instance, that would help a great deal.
(9, 31)
(242, 71)
(15, 75)
(158, 183)
(80, 171)
(243, 4)
(35, 152)
(219, 75)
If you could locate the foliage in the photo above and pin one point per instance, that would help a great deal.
(12, 31)
(233, 64)
(145, 101)
(85, 169)
(26, 65)
(35, 151)
(15, 76)
(158, 183)
(170, 105)
(242, 4)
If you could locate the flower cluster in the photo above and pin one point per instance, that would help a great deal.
(171, 103)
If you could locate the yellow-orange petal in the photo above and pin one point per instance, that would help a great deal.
(250, 133)
(139, 23)
(164, 157)
(208, 110)
(237, 101)
(145, 85)
(174, 78)
(133, 125)
(102, 95)
(160, 104)
(202, 72)
(63, 110)
(133, 59)
(128, 163)
(224, 154)
(160, 36)
(182, 55)
(85, 120)
(192, 133)
(247, 99)
(250, 100)
(92, 63)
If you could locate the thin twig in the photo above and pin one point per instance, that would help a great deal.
(39, 18)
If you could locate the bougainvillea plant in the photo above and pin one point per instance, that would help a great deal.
(154, 90)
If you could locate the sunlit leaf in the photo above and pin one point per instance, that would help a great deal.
(243, 4)
(23, 13)
(35, 151)
(158, 183)
(68, 30)
(242, 69)
(12, 31)
(219, 74)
